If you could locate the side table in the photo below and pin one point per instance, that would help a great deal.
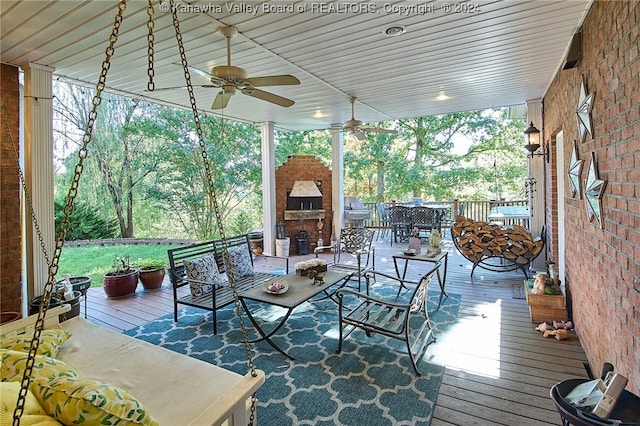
(442, 257)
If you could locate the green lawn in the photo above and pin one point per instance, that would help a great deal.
(95, 261)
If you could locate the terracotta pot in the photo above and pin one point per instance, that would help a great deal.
(120, 285)
(6, 317)
(151, 279)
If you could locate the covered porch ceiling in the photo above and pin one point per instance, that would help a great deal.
(481, 54)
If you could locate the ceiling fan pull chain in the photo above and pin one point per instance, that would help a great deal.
(150, 39)
(68, 209)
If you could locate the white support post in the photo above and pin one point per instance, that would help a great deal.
(38, 164)
(268, 187)
(337, 175)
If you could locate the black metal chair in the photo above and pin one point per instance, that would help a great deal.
(383, 215)
(407, 321)
(425, 219)
(400, 219)
(358, 244)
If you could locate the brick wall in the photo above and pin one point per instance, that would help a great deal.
(303, 167)
(10, 241)
(603, 266)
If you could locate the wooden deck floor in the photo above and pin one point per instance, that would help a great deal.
(498, 368)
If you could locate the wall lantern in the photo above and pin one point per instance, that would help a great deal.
(532, 137)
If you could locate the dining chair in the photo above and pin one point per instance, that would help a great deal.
(400, 218)
(425, 219)
(383, 215)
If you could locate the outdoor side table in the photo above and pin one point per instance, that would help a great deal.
(442, 257)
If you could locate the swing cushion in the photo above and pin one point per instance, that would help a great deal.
(50, 342)
(33, 413)
(203, 275)
(241, 263)
(69, 397)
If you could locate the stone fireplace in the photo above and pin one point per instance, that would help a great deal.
(298, 205)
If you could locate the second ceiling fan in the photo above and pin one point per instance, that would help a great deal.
(357, 129)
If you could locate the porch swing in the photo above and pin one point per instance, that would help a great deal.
(233, 400)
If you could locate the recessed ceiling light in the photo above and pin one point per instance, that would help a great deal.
(319, 114)
(394, 30)
(443, 97)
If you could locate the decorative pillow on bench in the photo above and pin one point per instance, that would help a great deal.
(241, 263)
(203, 275)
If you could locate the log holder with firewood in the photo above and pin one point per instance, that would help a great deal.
(496, 248)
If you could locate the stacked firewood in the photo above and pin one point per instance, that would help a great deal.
(480, 240)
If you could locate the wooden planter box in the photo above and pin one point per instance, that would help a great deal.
(545, 307)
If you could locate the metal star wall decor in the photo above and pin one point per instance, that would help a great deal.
(593, 191)
(585, 105)
(575, 169)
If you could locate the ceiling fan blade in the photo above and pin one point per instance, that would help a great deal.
(221, 100)
(273, 80)
(206, 86)
(379, 130)
(195, 70)
(269, 97)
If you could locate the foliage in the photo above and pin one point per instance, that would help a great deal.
(150, 264)
(122, 265)
(85, 223)
(145, 169)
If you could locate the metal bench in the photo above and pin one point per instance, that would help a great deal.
(221, 297)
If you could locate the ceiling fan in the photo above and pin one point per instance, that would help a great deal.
(230, 79)
(357, 129)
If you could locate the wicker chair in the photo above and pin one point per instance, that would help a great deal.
(407, 321)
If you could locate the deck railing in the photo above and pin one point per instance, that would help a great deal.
(477, 210)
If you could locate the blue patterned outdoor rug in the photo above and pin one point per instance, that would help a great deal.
(370, 383)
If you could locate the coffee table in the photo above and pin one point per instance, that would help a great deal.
(442, 257)
(301, 289)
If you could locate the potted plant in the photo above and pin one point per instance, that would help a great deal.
(151, 273)
(122, 279)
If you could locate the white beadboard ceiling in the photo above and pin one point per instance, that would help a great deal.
(483, 54)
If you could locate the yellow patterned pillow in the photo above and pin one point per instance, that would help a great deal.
(50, 342)
(12, 365)
(33, 413)
(85, 401)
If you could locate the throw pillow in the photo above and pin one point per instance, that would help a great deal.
(33, 413)
(241, 262)
(74, 401)
(50, 342)
(12, 365)
(203, 275)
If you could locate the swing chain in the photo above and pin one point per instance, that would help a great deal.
(68, 210)
(213, 201)
(150, 52)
